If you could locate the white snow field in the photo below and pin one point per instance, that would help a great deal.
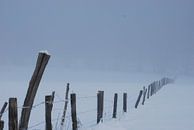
(169, 109)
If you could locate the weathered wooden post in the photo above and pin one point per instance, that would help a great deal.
(100, 106)
(48, 110)
(65, 107)
(1, 125)
(138, 99)
(144, 95)
(73, 111)
(124, 102)
(41, 63)
(115, 106)
(3, 109)
(13, 114)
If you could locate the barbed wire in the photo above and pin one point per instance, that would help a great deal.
(107, 113)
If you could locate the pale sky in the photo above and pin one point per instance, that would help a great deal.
(116, 35)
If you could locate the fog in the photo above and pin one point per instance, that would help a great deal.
(152, 36)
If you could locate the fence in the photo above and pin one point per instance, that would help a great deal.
(104, 109)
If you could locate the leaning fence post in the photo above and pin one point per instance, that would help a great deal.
(138, 99)
(65, 107)
(115, 106)
(13, 114)
(41, 63)
(48, 110)
(124, 102)
(73, 111)
(3, 109)
(1, 125)
(100, 106)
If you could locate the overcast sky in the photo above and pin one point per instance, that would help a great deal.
(118, 35)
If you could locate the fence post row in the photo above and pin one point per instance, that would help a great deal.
(124, 102)
(100, 106)
(73, 111)
(13, 114)
(65, 107)
(41, 63)
(138, 99)
(115, 106)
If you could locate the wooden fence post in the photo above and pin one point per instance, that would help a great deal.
(3, 109)
(65, 107)
(115, 106)
(148, 92)
(100, 106)
(124, 102)
(1, 125)
(73, 111)
(151, 89)
(48, 109)
(138, 99)
(13, 114)
(144, 95)
(41, 63)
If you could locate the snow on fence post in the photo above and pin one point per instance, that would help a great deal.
(13, 114)
(1, 125)
(73, 111)
(48, 109)
(124, 102)
(3, 109)
(41, 63)
(100, 106)
(115, 106)
(138, 99)
(65, 107)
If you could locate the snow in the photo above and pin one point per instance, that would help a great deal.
(44, 51)
(170, 109)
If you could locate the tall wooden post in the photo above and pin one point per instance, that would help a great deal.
(100, 106)
(41, 63)
(1, 125)
(115, 106)
(65, 107)
(13, 114)
(48, 110)
(3, 109)
(138, 99)
(124, 102)
(73, 111)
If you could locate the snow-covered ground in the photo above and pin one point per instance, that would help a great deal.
(170, 109)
